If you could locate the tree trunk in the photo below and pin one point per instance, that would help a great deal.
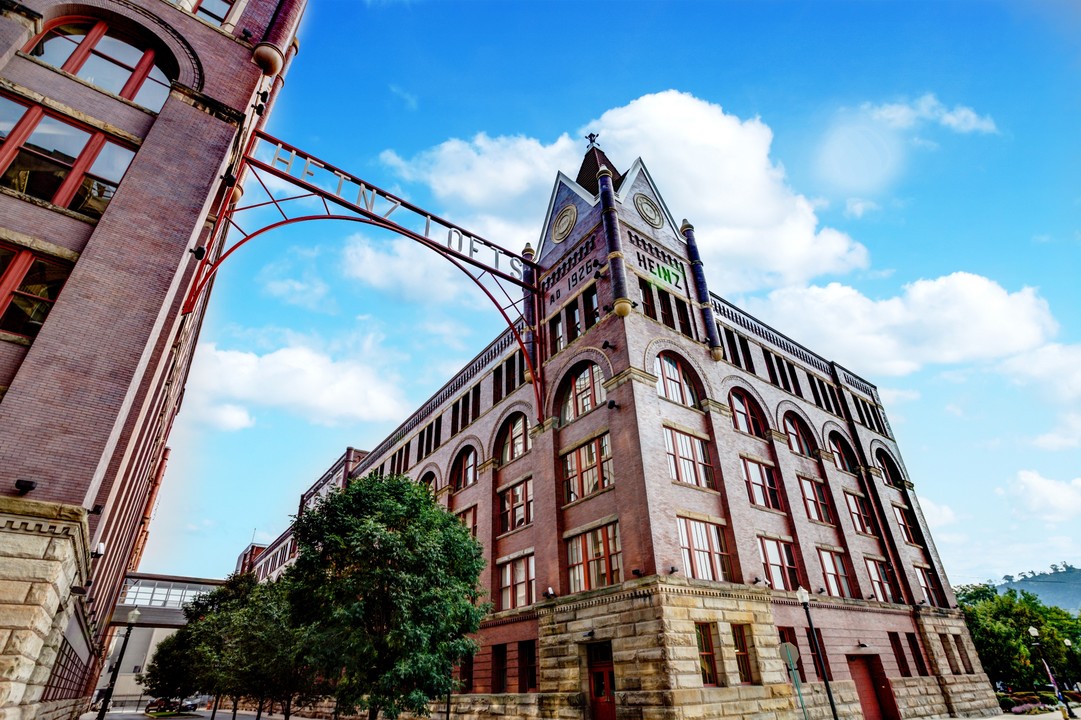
(373, 712)
(335, 708)
(259, 712)
(214, 712)
(287, 707)
(235, 701)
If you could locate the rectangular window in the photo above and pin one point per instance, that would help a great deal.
(664, 301)
(591, 307)
(684, 317)
(29, 285)
(819, 659)
(929, 586)
(761, 484)
(741, 640)
(57, 161)
(574, 323)
(707, 658)
(527, 666)
(476, 401)
(899, 654)
(947, 647)
(748, 361)
(917, 654)
(556, 341)
(497, 384)
(517, 583)
(795, 379)
(213, 11)
(779, 563)
(593, 559)
(815, 500)
(499, 668)
(835, 570)
(465, 675)
(962, 653)
(880, 579)
(649, 305)
(688, 459)
(860, 510)
(469, 519)
(587, 469)
(705, 556)
(733, 348)
(516, 506)
(904, 520)
(788, 635)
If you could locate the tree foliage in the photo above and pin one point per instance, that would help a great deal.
(386, 583)
(1000, 624)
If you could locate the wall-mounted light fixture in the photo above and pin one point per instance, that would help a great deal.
(637, 572)
(25, 486)
(549, 593)
(613, 405)
(98, 551)
(588, 634)
(608, 345)
(198, 252)
(673, 570)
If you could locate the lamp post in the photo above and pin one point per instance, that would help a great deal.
(1050, 676)
(133, 617)
(804, 599)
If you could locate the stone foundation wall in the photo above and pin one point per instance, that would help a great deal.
(43, 553)
(62, 709)
(918, 697)
(966, 694)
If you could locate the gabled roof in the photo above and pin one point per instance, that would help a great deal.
(591, 163)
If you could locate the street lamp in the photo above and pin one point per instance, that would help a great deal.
(133, 617)
(804, 599)
(1054, 685)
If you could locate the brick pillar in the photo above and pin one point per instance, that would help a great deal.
(43, 553)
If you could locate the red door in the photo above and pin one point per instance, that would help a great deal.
(860, 670)
(602, 681)
(875, 693)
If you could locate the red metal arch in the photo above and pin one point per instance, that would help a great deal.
(364, 213)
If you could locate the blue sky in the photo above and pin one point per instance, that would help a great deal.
(893, 184)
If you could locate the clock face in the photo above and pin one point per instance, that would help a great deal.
(564, 223)
(648, 210)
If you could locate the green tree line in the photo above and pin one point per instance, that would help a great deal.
(374, 613)
(1000, 624)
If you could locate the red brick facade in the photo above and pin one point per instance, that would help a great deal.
(88, 394)
(768, 512)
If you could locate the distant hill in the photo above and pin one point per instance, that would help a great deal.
(1061, 586)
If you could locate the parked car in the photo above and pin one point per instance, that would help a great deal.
(163, 705)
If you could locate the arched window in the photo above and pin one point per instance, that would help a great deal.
(105, 57)
(513, 438)
(890, 472)
(464, 471)
(800, 440)
(51, 158)
(583, 392)
(843, 456)
(675, 381)
(428, 480)
(746, 415)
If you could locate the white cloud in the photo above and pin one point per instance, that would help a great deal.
(857, 207)
(955, 410)
(713, 168)
(937, 516)
(929, 109)
(894, 396)
(1050, 500)
(951, 319)
(225, 384)
(1054, 367)
(405, 269)
(409, 99)
(1066, 436)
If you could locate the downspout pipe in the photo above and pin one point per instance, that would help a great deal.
(621, 303)
(701, 291)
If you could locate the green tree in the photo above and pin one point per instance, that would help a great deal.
(171, 673)
(386, 581)
(1000, 631)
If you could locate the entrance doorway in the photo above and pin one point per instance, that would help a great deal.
(876, 696)
(602, 682)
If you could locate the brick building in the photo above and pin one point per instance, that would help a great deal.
(688, 470)
(120, 121)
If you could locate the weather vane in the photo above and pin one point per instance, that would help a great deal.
(592, 138)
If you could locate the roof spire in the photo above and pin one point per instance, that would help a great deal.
(594, 160)
(592, 138)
